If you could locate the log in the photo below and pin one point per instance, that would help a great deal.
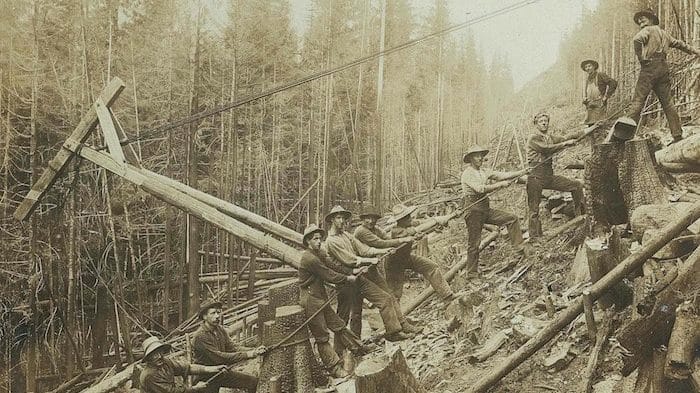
(388, 373)
(427, 292)
(490, 346)
(681, 345)
(602, 256)
(684, 152)
(566, 316)
(293, 362)
(573, 223)
(651, 379)
(657, 216)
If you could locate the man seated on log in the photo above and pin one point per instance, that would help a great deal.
(211, 345)
(347, 250)
(651, 45)
(599, 88)
(158, 374)
(313, 273)
(402, 236)
(541, 145)
(476, 185)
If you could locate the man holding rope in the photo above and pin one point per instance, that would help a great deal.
(476, 185)
(313, 274)
(345, 249)
(211, 345)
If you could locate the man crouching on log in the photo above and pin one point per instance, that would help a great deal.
(313, 273)
(541, 145)
(347, 250)
(402, 234)
(476, 185)
(158, 374)
(211, 345)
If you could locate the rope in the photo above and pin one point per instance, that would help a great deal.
(321, 74)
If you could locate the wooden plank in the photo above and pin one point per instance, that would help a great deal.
(193, 206)
(109, 132)
(128, 149)
(64, 156)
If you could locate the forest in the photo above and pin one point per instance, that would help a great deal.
(216, 98)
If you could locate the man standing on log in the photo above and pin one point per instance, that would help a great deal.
(158, 374)
(211, 345)
(599, 87)
(313, 273)
(651, 45)
(476, 185)
(541, 145)
(347, 250)
(402, 236)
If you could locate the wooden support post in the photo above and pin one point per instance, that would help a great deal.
(109, 132)
(590, 319)
(64, 156)
(251, 274)
(565, 317)
(548, 305)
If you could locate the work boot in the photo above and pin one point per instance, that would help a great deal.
(410, 328)
(364, 349)
(398, 336)
(338, 371)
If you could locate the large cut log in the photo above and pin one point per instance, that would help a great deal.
(642, 335)
(388, 373)
(681, 345)
(565, 317)
(293, 363)
(685, 153)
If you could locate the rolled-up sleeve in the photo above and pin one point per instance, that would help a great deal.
(205, 347)
(341, 254)
(371, 239)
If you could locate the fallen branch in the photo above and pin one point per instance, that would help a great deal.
(595, 354)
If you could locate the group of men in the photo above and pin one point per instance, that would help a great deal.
(351, 261)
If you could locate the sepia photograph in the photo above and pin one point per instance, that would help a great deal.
(350, 196)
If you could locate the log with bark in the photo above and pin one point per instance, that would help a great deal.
(293, 362)
(656, 216)
(388, 373)
(681, 156)
(683, 341)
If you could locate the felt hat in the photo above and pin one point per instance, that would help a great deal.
(400, 211)
(649, 14)
(370, 211)
(206, 305)
(310, 230)
(337, 209)
(152, 344)
(472, 150)
(589, 61)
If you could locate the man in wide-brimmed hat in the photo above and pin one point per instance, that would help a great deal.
(211, 345)
(313, 274)
(599, 88)
(477, 183)
(159, 372)
(370, 234)
(347, 250)
(541, 146)
(651, 45)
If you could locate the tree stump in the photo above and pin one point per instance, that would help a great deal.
(293, 362)
(388, 373)
(265, 313)
(603, 254)
(639, 180)
(284, 294)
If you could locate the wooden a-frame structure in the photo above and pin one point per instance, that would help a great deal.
(254, 229)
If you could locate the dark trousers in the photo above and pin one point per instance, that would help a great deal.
(655, 76)
(535, 185)
(475, 220)
(397, 264)
(231, 379)
(319, 325)
(350, 305)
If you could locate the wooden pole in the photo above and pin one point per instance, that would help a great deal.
(628, 265)
(590, 319)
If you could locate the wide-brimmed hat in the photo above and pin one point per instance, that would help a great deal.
(370, 211)
(337, 209)
(472, 150)
(206, 305)
(649, 14)
(310, 230)
(589, 61)
(400, 211)
(151, 344)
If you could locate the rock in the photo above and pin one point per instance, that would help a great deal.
(658, 216)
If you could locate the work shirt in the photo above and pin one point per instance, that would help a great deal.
(398, 231)
(162, 379)
(345, 248)
(212, 346)
(599, 86)
(375, 237)
(592, 91)
(313, 272)
(652, 40)
(474, 182)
